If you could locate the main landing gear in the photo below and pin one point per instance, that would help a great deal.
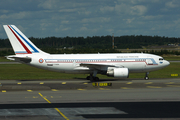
(146, 77)
(93, 76)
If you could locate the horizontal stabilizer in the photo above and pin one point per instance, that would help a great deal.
(19, 59)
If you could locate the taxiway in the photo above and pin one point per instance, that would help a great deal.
(83, 100)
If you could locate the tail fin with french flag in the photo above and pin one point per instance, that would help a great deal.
(20, 43)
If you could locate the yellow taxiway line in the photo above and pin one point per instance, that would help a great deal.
(54, 108)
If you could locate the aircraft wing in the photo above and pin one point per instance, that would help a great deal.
(100, 66)
(19, 59)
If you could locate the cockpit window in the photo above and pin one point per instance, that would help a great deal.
(161, 59)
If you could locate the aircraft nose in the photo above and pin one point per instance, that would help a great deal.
(166, 63)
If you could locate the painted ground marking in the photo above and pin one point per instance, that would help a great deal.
(54, 108)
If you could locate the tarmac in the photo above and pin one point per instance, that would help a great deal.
(79, 99)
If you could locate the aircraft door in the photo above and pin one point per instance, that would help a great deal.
(149, 61)
(49, 63)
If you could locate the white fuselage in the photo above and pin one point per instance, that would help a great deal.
(71, 63)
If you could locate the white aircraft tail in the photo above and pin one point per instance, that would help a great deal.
(20, 43)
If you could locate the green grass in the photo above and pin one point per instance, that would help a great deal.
(3, 59)
(25, 72)
(172, 58)
(173, 68)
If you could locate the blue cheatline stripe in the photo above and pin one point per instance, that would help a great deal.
(20, 52)
(23, 52)
(103, 60)
(35, 50)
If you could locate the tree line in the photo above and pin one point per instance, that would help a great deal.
(97, 42)
(7, 52)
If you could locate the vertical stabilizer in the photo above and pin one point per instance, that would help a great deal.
(20, 43)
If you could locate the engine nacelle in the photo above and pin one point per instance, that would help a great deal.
(118, 72)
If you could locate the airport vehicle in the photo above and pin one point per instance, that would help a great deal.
(114, 65)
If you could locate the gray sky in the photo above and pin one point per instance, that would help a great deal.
(74, 18)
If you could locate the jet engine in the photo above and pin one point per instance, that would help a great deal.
(118, 72)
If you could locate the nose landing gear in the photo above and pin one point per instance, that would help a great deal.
(146, 77)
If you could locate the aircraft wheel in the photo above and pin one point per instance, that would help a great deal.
(88, 77)
(96, 78)
(146, 76)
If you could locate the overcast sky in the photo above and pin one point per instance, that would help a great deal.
(74, 18)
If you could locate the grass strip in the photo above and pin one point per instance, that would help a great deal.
(25, 72)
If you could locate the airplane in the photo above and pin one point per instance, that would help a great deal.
(117, 65)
